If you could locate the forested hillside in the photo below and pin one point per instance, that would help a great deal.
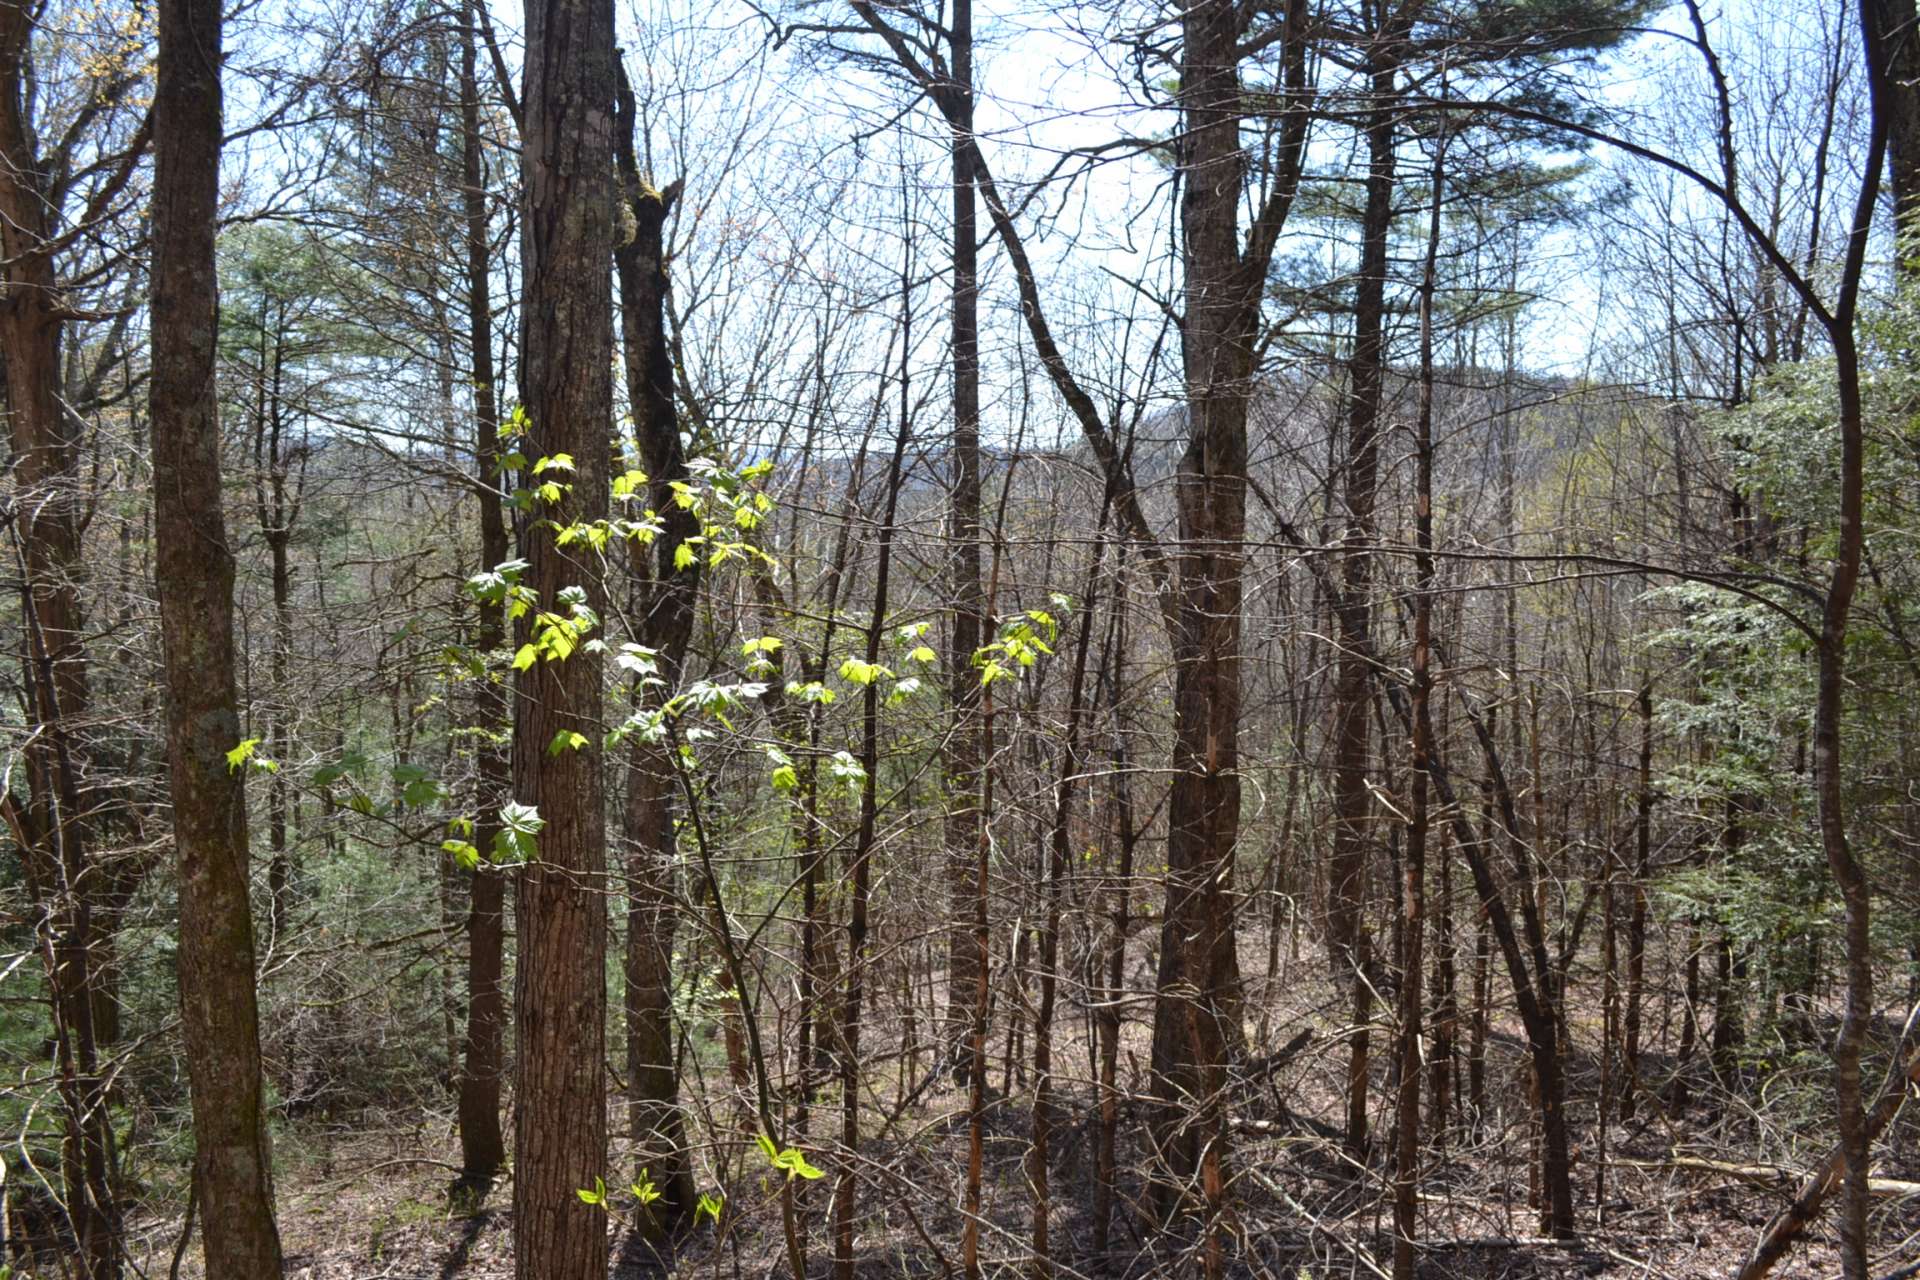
(1248, 638)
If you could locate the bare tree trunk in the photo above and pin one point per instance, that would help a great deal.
(1406, 1186)
(482, 1145)
(1898, 31)
(194, 573)
(1531, 973)
(70, 888)
(1059, 860)
(560, 1120)
(1353, 688)
(1120, 898)
(963, 748)
(858, 959)
(667, 595)
(1637, 910)
(1196, 1013)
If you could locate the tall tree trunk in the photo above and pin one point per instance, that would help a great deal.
(1898, 31)
(482, 1145)
(963, 744)
(1413, 897)
(1195, 1012)
(1197, 1005)
(1531, 974)
(1353, 687)
(861, 869)
(1059, 860)
(70, 888)
(567, 168)
(1830, 787)
(1120, 899)
(194, 572)
(1637, 910)
(667, 593)
(279, 856)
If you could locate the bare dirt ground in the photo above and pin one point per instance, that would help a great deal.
(367, 1203)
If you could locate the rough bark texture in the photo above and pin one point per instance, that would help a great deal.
(963, 750)
(1889, 99)
(194, 574)
(1899, 35)
(1199, 972)
(1353, 686)
(1353, 681)
(667, 597)
(482, 1144)
(1196, 1014)
(560, 1118)
(1406, 1180)
(68, 885)
(1637, 911)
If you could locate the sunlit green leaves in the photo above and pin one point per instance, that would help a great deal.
(844, 769)
(811, 691)
(557, 636)
(638, 660)
(790, 1161)
(784, 777)
(519, 825)
(861, 672)
(465, 854)
(1022, 640)
(245, 754)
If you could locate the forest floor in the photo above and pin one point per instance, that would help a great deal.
(366, 1203)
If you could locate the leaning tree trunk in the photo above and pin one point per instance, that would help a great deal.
(567, 167)
(194, 571)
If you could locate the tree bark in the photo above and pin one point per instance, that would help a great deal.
(845, 1187)
(1196, 1013)
(482, 1145)
(71, 889)
(194, 572)
(567, 167)
(1894, 22)
(1406, 1185)
(1119, 900)
(1199, 977)
(963, 746)
(1637, 909)
(667, 594)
